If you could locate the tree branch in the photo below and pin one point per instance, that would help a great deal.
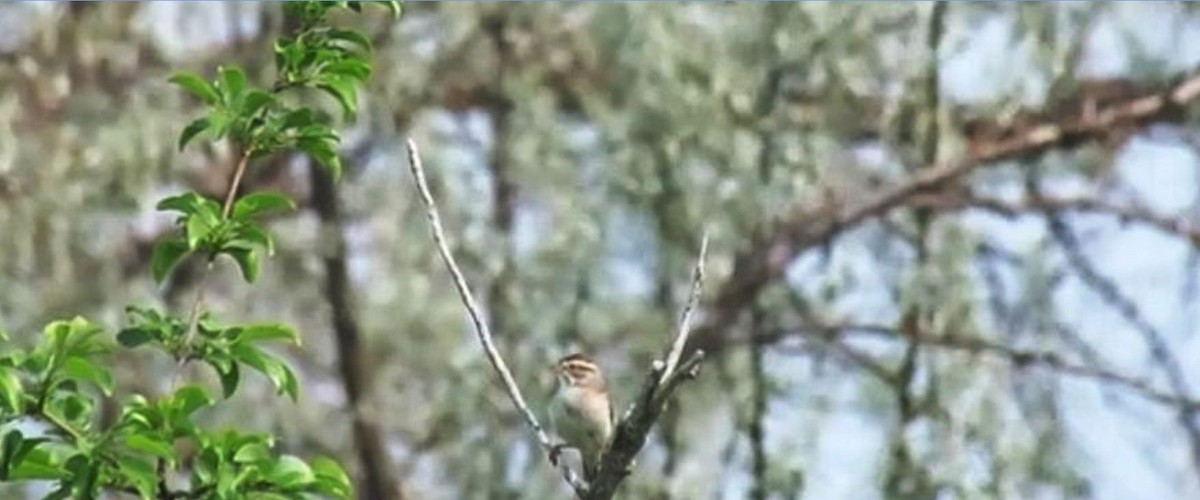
(664, 378)
(1109, 292)
(1020, 358)
(482, 332)
(815, 225)
(685, 319)
(665, 375)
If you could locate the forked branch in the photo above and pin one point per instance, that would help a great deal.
(482, 332)
(664, 378)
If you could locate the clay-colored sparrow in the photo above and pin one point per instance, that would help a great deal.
(581, 413)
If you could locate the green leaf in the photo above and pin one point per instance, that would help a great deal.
(353, 69)
(141, 473)
(206, 465)
(228, 373)
(191, 130)
(344, 91)
(288, 56)
(253, 452)
(268, 331)
(207, 326)
(167, 253)
(188, 203)
(38, 464)
(220, 121)
(72, 406)
(352, 37)
(11, 392)
(268, 495)
(299, 118)
(200, 225)
(255, 100)
(247, 260)
(27, 447)
(323, 152)
(260, 203)
(232, 81)
(135, 336)
(331, 478)
(8, 447)
(393, 6)
(138, 414)
(290, 472)
(195, 86)
(190, 398)
(79, 368)
(276, 371)
(319, 132)
(255, 236)
(153, 445)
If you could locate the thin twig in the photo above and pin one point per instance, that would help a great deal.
(1110, 293)
(1020, 358)
(482, 332)
(235, 183)
(685, 319)
(192, 322)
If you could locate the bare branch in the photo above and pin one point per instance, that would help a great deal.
(664, 378)
(1087, 204)
(685, 319)
(482, 332)
(1108, 291)
(1020, 358)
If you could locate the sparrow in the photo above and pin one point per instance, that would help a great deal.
(581, 413)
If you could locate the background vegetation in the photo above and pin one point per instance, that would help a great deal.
(953, 245)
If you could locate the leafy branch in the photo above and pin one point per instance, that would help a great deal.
(57, 382)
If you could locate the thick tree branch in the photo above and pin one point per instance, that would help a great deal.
(765, 260)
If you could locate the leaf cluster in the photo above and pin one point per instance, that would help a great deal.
(50, 429)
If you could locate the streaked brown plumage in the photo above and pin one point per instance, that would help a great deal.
(581, 413)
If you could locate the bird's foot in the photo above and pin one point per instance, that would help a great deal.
(555, 451)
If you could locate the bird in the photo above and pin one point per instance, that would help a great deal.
(581, 412)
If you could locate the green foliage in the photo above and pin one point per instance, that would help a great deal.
(317, 56)
(58, 381)
(49, 428)
(207, 231)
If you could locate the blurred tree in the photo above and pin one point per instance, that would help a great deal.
(1019, 184)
